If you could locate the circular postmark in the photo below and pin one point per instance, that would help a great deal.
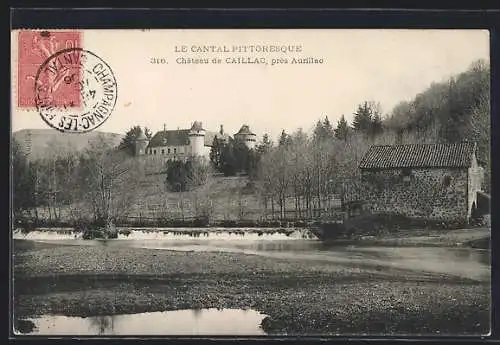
(75, 91)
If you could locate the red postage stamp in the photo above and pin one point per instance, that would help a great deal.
(35, 48)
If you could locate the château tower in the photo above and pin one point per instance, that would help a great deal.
(245, 135)
(197, 139)
(140, 144)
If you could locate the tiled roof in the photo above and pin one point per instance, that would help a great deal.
(457, 155)
(177, 137)
(245, 129)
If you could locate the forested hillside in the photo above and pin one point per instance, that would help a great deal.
(453, 110)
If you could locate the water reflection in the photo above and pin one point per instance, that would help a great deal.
(177, 322)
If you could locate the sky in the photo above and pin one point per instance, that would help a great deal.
(384, 66)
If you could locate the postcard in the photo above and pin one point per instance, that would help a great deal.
(250, 182)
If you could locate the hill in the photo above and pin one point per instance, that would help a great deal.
(450, 111)
(453, 110)
(38, 143)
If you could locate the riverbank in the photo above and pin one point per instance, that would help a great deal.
(300, 297)
(479, 238)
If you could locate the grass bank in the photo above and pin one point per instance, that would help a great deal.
(299, 297)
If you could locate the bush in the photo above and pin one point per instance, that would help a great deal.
(125, 232)
(300, 224)
(382, 223)
(200, 222)
(176, 223)
(229, 223)
(111, 234)
(81, 225)
(95, 230)
(92, 234)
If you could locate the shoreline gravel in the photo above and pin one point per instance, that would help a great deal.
(299, 297)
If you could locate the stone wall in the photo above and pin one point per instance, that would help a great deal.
(476, 174)
(433, 194)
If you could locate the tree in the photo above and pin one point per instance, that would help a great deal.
(228, 160)
(234, 157)
(183, 176)
(444, 110)
(342, 129)
(451, 129)
(216, 154)
(318, 131)
(323, 130)
(276, 175)
(265, 145)
(480, 127)
(377, 125)
(22, 181)
(56, 172)
(148, 133)
(177, 175)
(284, 139)
(198, 172)
(362, 122)
(327, 128)
(109, 181)
(199, 181)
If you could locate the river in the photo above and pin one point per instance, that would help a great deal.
(298, 244)
(460, 262)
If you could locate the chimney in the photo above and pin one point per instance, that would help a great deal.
(164, 127)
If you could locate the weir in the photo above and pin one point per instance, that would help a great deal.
(176, 234)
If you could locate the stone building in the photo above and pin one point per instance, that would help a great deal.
(183, 143)
(245, 135)
(427, 181)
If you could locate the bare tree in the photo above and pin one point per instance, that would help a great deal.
(268, 175)
(200, 181)
(109, 181)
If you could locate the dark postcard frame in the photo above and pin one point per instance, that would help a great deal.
(135, 18)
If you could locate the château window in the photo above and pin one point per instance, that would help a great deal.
(154, 152)
(168, 150)
(162, 151)
(175, 150)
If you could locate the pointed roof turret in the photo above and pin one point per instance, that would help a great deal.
(245, 129)
(197, 126)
